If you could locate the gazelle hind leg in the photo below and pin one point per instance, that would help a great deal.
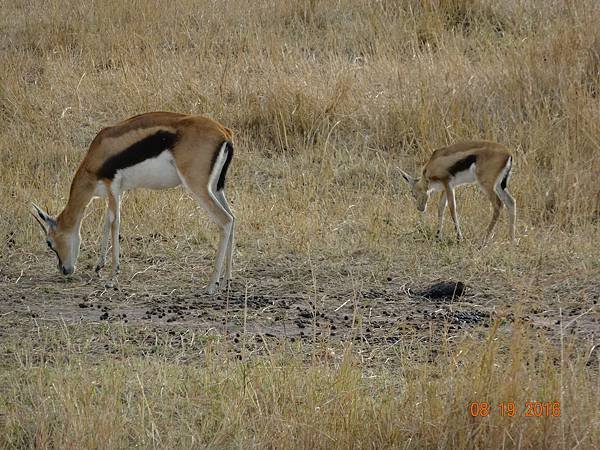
(511, 208)
(207, 199)
(497, 206)
(220, 196)
(224, 221)
(216, 185)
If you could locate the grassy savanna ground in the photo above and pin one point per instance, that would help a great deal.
(320, 342)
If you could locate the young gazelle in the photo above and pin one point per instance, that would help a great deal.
(156, 150)
(485, 163)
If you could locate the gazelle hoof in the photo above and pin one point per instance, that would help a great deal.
(213, 288)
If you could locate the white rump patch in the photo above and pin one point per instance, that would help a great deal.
(503, 173)
(217, 168)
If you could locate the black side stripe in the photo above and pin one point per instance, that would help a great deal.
(149, 147)
(462, 164)
(229, 150)
(504, 182)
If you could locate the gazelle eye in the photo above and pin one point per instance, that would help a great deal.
(49, 244)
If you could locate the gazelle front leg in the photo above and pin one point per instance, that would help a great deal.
(114, 207)
(441, 210)
(452, 204)
(104, 245)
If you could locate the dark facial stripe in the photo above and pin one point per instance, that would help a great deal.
(504, 182)
(229, 150)
(149, 147)
(462, 164)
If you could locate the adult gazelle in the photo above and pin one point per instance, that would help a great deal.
(156, 150)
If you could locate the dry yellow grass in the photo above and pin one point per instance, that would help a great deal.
(73, 400)
(327, 100)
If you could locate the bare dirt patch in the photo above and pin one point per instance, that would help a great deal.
(271, 301)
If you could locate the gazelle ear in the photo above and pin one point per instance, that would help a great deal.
(43, 218)
(409, 180)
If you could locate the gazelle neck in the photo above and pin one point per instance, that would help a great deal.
(82, 191)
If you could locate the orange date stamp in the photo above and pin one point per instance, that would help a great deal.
(510, 409)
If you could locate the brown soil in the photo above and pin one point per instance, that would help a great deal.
(266, 301)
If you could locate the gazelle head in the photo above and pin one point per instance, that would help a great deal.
(419, 188)
(64, 243)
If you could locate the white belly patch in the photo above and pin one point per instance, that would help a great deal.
(465, 177)
(153, 173)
